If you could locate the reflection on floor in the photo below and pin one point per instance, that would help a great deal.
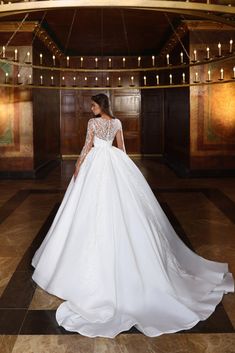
(202, 211)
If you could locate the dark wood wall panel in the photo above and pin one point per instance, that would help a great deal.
(127, 106)
(46, 113)
(69, 122)
(176, 113)
(152, 122)
(177, 126)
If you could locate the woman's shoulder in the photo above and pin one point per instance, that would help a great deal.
(117, 121)
(91, 121)
(90, 124)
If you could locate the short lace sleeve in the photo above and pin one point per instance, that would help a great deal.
(120, 138)
(88, 142)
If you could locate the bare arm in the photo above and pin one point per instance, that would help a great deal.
(120, 138)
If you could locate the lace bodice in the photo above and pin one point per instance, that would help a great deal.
(105, 129)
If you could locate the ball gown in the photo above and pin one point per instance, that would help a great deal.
(112, 255)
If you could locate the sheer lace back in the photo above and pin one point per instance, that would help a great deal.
(105, 129)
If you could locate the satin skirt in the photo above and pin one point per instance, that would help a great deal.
(114, 258)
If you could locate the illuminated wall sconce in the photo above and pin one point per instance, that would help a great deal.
(28, 61)
(167, 59)
(16, 55)
(182, 58)
(208, 76)
(30, 80)
(139, 61)
(6, 77)
(40, 58)
(123, 62)
(96, 63)
(41, 80)
(170, 79)
(107, 81)
(196, 78)
(207, 53)
(96, 81)
(81, 62)
(157, 79)
(221, 75)
(63, 81)
(132, 81)
(18, 79)
(3, 52)
(194, 56)
(231, 46)
(85, 80)
(119, 81)
(220, 50)
(153, 60)
(74, 81)
(183, 78)
(53, 58)
(52, 80)
(145, 80)
(67, 61)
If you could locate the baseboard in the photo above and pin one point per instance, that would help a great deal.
(183, 171)
(38, 173)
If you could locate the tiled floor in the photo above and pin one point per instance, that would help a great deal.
(202, 211)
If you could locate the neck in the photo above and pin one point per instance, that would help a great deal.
(105, 116)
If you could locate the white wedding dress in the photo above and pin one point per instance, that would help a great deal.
(112, 255)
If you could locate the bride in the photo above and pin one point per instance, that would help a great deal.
(111, 253)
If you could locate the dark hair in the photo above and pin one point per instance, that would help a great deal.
(103, 101)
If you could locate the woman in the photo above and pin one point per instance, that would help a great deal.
(112, 254)
(100, 107)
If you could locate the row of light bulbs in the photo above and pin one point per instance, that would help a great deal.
(132, 79)
(96, 60)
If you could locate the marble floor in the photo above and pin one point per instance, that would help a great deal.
(202, 211)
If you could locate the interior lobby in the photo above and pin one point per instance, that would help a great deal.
(168, 68)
